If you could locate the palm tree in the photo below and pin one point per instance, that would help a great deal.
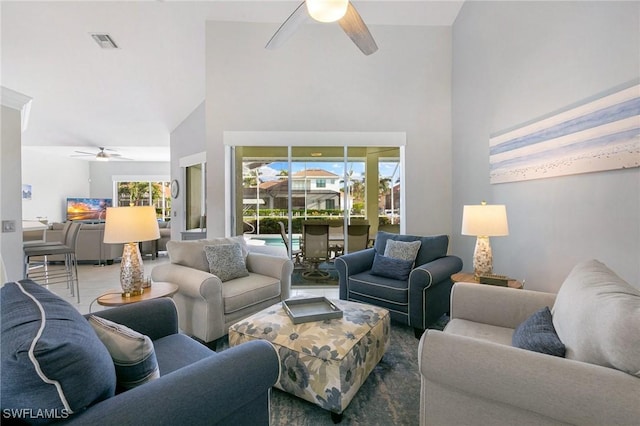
(383, 185)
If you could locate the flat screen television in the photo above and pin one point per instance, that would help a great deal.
(88, 209)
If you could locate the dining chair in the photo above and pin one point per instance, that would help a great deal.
(296, 255)
(357, 237)
(315, 249)
(51, 275)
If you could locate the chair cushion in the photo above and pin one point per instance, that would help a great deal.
(132, 352)
(431, 247)
(398, 269)
(192, 255)
(380, 288)
(537, 334)
(248, 291)
(179, 350)
(226, 261)
(51, 357)
(188, 253)
(597, 316)
(405, 250)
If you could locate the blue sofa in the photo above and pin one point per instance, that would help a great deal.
(418, 301)
(197, 386)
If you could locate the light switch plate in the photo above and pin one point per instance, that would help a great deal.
(8, 226)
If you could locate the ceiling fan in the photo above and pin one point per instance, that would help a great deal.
(342, 11)
(102, 155)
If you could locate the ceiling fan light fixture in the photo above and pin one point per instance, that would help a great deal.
(327, 10)
(102, 156)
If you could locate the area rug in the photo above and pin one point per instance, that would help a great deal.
(299, 281)
(389, 396)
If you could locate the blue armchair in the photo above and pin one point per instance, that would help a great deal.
(417, 301)
(197, 386)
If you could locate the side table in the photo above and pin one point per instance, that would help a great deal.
(469, 278)
(156, 291)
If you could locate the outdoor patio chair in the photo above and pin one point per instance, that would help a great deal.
(315, 249)
(357, 239)
(296, 255)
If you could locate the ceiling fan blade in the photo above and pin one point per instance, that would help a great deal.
(288, 27)
(357, 30)
(84, 153)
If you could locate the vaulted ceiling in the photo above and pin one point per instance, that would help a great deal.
(129, 99)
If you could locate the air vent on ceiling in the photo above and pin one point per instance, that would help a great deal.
(104, 41)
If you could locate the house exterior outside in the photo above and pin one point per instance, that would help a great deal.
(311, 188)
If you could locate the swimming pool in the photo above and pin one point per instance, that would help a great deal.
(276, 240)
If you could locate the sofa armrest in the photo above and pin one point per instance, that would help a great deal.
(233, 384)
(569, 391)
(155, 318)
(272, 266)
(356, 262)
(435, 271)
(192, 282)
(499, 306)
(351, 264)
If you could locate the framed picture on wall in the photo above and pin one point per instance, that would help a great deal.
(26, 192)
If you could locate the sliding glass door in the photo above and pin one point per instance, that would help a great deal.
(341, 186)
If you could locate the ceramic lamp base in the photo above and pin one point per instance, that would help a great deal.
(131, 270)
(482, 257)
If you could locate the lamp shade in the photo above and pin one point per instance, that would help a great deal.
(327, 10)
(130, 224)
(485, 220)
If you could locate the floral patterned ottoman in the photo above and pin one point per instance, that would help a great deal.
(323, 362)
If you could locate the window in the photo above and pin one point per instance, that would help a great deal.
(145, 193)
(321, 183)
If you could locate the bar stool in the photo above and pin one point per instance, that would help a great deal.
(51, 275)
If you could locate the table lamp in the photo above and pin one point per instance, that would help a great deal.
(484, 221)
(131, 225)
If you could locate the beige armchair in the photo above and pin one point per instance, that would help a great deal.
(207, 306)
(471, 374)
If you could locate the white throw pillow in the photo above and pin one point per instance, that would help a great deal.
(133, 353)
(597, 316)
(402, 250)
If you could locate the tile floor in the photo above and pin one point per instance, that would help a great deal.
(96, 280)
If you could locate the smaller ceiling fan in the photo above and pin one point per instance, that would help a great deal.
(327, 11)
(102, 155)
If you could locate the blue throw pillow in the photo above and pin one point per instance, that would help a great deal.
(389, 267)
(53, 364)
(431, 247)
(537, 334)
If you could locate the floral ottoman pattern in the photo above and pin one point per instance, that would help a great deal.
(323, 362)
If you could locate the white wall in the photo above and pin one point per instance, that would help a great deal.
(319, 81)
(101, 174)
(52, 179)
(514, 62)
(187, 139)
(10, 193)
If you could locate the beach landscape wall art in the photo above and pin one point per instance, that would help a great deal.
(600, 134)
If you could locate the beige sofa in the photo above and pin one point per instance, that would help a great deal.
(89, 246)
(156, 246)
(207, 306)
(471, 374)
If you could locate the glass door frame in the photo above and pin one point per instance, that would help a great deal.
(232, 139)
